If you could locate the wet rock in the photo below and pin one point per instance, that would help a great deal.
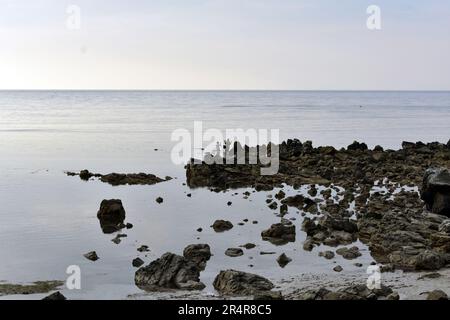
(436, 191)
(171, 271)
(137, 262)
(222, 225)
(349, 254)
(338, 269)
(437, 295)
(55, 296)
(356, 146)
(111, 215)
(111, 209)
(234, 252)
(238, 283)
(353, 292)
(33, 288)
(280, 195)
(249, 246)
(445, 226)
(279, 233)
(268, 295)
(198, 253)
(91, 256)
(143, 248)
(159, 200)
(433, 275)
(117, 179)
(327, 254)
(283, 260)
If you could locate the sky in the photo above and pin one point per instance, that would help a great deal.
(224, 44)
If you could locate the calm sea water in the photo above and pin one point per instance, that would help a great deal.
(48, 220)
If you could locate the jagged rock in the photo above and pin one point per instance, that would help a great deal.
(171, 271)
(436, 191)
(283, 260)
(238, 283)
(279, 233)
(356, 146)
(222, 225)
(55, 296)
(354, 292)
(143, 248)
(198, 253)
(137, 262)
(445, 226)
(91, 256)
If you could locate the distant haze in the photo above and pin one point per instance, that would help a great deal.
(224, 44)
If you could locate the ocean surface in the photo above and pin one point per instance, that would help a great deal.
(48, 220)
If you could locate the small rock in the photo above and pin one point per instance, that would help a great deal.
(159, 200)
(249, 246)
(137, 262)
(283, 260)
(338, 269)
(222, 225)
(91, 256)
(143, 248)
(55, 296)
(234, 252)
(327, 254)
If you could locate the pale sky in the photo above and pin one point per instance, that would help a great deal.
(225, 44)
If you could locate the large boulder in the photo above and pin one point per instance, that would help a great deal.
(171, 271)
(238, 283)
(436, 191)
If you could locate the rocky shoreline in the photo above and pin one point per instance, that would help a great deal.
(396, 202)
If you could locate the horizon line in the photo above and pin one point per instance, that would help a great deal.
(241, 90)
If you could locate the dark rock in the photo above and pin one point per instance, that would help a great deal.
(91, 256)
(436, 191)
(437, 295)
(338, 269)
(283, 260)
(55, 296)
(356, 146)
(433, 275)
(143, 248)
(85, 175)
(237, 283)
(268, 295)
(171, 271)
(159, 200)
(249, 246)
(234, 252)
(354, 292)
(279, 233)
(198, 253)
(349, 254)
(222, 225)
(111, 216)
(444, 227)
(137, 262)
(327, 254)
